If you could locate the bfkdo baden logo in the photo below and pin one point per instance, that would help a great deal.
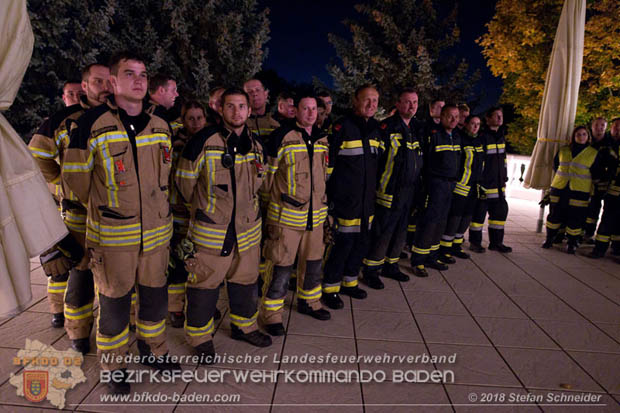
(35, 385)
(48, 373)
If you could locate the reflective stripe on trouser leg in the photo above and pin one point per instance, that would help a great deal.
(78, 306)
(243, 301)
(498, 211)
(610, 221)
(477, 222)
(273, 300)
(335, 261)
(113, 329)
(151, 322)
(134, 306)
(56, 287)
(176, 297)
(311, 289)
(200, 307)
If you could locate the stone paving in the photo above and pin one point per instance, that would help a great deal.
(530, 330)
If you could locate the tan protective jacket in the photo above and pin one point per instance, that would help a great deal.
(127, 203)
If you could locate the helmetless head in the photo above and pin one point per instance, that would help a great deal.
(71, 93)
(449, 117)
(258, 95)
(128, 78)
(235, 109)
(306, 111)
(407, 103)
(366, 101)
(96, 83)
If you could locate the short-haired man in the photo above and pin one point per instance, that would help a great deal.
(493, 186)
(354, 149)
(609, 228)
(260, 121)
(295, 215)
(71, 92)
(602, 143)
(219, 174)
(434, 112)
(399, 170)
(162, 95)
(118, 163)
(442, 152)
(48, 146)
(285, 108)
(326, 98)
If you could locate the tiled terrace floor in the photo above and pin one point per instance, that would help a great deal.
(532, 322)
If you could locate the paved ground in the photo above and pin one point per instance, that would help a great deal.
(536, 324)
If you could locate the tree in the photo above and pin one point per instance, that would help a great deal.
(517, 48)
(401, 43)
(201, 43)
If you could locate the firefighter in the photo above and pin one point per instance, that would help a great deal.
(285, 108)
(215, 104)
(354, 149)
(465, 192)
(70, 293)
(609, 228)
(442, 150)
(297, 209)
(328, 104)
(194, 120)
(71, 92)
(577, 169)
(492, 197)
(118, 163)
(260, 121)
(162, 95)
(219, 174)
(602, 143)
(399, 169)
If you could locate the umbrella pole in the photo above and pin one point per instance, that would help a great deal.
(541, 214)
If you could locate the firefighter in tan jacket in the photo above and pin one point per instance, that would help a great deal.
(219, 174)
(48, 146)
(297, 210)
(118, 163)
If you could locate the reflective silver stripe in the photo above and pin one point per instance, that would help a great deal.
(351, 152)
(353, 228)
(571, 175)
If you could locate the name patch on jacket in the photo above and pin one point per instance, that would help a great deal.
(103, 130)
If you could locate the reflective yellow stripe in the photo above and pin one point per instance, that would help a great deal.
(199, 331)
(273, 305)
(240, 321)
(56, 287)
(111, 343)
(372, 263)
(151, 331)
(79, 313)
(315, 293)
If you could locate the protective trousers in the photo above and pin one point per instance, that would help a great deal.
(569, 209)
(116, 273)
(387, 236)
(344, 260)
(177, 277)
(56, 287)
(206, 272)
(433, 221)
(498, 211)
(80, 294)
(459, 218)
(594, 211)
(282, 245)
(609, 228)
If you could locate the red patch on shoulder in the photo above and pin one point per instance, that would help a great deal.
(384, 126)
(337, 127)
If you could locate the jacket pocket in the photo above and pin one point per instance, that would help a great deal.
(110, 213)
(297, 203)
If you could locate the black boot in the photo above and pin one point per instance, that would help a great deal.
(206, 352)
(320, 314)
(596, 254)
(500, 248)
(457, 251)
(81, 345)
(332, 300)
(58, 320)
(437, 265)
(177, 319)
(275, 329)
(571, 248)
(118, 382)
(255, 338)
(420, 271)
(547, 244)
(370, 277)
(354, 292)
(393, 271)
(161, 363)
(447, 259)
(477, 248)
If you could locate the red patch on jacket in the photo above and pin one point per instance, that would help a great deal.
(337, 127)
(384, 126)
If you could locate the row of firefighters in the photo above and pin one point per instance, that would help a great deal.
(161, 215)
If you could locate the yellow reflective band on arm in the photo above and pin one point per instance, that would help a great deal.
(151, 331)
(240, 321)
(43, 153)
(199, 331)
(111, 343)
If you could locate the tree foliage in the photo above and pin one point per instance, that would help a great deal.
(399, 43)
(201, 43)
(518, 46)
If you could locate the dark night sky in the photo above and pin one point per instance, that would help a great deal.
(299, 48)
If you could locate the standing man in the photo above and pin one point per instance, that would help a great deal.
(260, 121)
(215, 104)
(285, 108)
(353, 155)
(325, 97)
(297, 155)
(463, 114)
(71, 92)
(48, 146)
(492, 186)
(400, 164)
(602, 143)
(219, 174)
(118, 163)
(162, 95)
(442, 152)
